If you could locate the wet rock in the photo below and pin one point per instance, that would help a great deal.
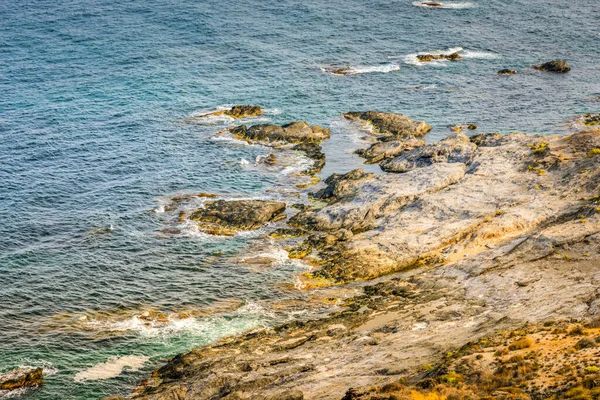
(432, 3)
(294, 132)
(390, 123)
(454, 149)
(338, 70)
(227, 217)
(21, 377)
(554, 66)
(507, 71)
(236, 112)
(590, 119)
(430, 57)
(315, 153)
(389, 148)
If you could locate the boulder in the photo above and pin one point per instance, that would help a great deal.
(430, 57)
(294, 132)
(21, 377)
(456, 148)
(389, 148)
(554, 66)
(225, 217)
(390, 123)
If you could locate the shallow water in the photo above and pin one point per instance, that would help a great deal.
(93, 143)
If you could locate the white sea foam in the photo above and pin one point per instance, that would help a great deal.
(363, 69)
(111, 368)
(479, 55)
(243, 161)
(451, 5)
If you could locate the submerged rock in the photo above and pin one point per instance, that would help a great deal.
(390, 123)
(385, 149)
(554, 66)
(591, 119)
(456, 148)
(507, 72)
(430, 57)
(294, 132)
(235, 112)
(315, 153)
(21, 377)
(224, 217)
(338, 70)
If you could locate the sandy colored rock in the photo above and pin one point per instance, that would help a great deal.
(389, 148)
(454, 149)
(390, 123)
(508, 238)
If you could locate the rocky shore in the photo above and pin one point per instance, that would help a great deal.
(468, 253)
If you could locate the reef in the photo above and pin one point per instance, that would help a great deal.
(475, 263)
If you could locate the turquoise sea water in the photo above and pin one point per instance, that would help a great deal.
(92, 145)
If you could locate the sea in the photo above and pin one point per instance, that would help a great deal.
(100, 281)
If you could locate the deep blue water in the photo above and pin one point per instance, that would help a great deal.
(92, 143)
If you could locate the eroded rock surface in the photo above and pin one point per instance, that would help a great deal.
(389, 147)
(390, 123)
(455, 251)
(294, 132)
(21, 377)
(454, 149)
(228, 217)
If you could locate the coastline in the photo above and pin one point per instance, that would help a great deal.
(468, 237)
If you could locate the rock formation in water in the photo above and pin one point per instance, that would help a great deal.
(431, 57)
(294, 132)
(554, 66)
(235, 112)
(223, 217)
(390, 124)
(21, 377)
(467, 239)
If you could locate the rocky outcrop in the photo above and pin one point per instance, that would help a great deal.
(454, 149)
(389, 147)
(390, 123)
(554, 66)
(456, 252)
(360, 200)
(224, 217)
(294, 132)
(431, 57)
(21, 377)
